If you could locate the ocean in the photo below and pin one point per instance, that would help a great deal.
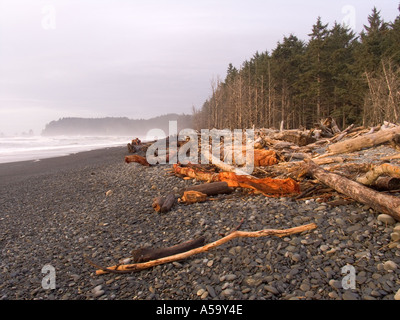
(35, 148)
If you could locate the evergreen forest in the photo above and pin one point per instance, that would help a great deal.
(354, 78)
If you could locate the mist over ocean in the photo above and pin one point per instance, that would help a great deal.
(13, 149)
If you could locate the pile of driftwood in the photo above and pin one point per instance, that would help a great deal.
(298, 164)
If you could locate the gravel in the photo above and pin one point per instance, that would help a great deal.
(103, 211)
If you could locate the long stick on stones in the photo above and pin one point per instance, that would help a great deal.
(237, 234)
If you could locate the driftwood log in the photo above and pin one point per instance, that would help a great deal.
(380, 202)
(137, 159)
(362, 142)
(164, 204)
(296, 137)
(190, 197)
(387, 184)
(266, 186)
(147, 254)
(211, 189)
(385, 169)
(127, 268)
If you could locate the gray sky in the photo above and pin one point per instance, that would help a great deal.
(139, 59)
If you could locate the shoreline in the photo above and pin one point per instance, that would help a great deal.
(11, 172)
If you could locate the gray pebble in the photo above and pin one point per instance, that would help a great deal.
(271, 289)
(230, 277)
(390, 266)
(211, 291)
(335, 284)
(397, 295)
(296, 257)
(349, 295)
(252, 282)
(97, 291)
(385, 218)
(228, 292)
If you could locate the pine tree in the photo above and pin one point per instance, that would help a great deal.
(316, 60)
(393, 41)
(287, 68)
(373, 42)
(342, 99)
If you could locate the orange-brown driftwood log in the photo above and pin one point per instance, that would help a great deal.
(137, 159)
(266, 186)
(211, 189)
(190, 197)
(380, 202)
(265, 158)
(181, 256)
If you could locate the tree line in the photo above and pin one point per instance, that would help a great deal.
(352, 78)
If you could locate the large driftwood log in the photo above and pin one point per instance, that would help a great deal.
(137, 159)
(147, 254)
(266, 186)
(380, 202)
(297, 137)
(385, 169)
(181, 256)
(362, 142)
(210, 189)
(387, 184)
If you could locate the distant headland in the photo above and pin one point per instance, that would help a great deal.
(109, 126)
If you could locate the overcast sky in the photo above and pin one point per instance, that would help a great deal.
(139, 59)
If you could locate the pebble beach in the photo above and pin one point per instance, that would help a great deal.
(56, 212)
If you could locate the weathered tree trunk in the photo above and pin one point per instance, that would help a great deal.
(146, 254)
(362, 142)
(211, 189)
(137, 159)
(297, 137)
(380, 202)
(385, 169)
(387, 184)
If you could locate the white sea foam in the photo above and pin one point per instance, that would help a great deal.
(13, 149)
